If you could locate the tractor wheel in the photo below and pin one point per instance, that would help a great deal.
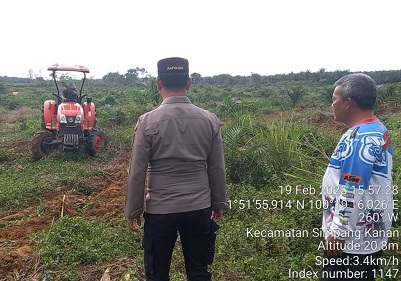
(41, 144)
(96, 142)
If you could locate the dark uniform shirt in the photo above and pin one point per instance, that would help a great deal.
(70, 94)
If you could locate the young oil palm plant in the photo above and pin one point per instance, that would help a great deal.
(387, 97)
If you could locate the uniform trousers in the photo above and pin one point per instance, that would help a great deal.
(197, 234)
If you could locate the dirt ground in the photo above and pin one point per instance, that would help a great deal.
(16, 248)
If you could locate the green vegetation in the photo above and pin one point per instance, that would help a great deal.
(277, 134)
(71, 242)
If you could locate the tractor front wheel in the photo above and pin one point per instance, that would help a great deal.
(96, 142)
(41, 144)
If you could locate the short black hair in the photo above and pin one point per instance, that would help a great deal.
(176, 82)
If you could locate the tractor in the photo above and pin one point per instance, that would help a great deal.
(68, 124)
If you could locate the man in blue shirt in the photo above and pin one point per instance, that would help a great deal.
(357, 188)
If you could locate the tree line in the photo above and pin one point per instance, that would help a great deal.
(139, 74)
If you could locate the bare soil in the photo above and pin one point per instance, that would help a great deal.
(16, 248)
(13, 116)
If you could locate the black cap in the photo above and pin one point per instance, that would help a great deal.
(173, 65)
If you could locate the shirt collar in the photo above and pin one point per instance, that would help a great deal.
(367, 120)
(176, 99)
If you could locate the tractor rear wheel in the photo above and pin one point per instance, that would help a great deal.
(96, 142)
(41, 144)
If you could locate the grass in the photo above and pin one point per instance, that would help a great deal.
(240, 254)
(71, 242)
(263, 152)
(22, 179)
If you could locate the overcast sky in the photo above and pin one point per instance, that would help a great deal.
(216, 36)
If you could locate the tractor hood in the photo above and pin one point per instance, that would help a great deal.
(70, 109)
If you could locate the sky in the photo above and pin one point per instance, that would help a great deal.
(234, 37)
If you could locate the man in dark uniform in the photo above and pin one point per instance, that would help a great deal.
(178, 146)
(70, 94)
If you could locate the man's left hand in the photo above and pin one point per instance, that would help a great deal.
(333, 247)
(135, 224)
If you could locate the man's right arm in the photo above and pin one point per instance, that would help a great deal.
(134, 198)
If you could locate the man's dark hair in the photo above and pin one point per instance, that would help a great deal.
(359, 87)
(175, 81)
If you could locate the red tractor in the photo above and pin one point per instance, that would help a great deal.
(68, 123)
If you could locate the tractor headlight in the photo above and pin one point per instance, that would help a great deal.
(63, 119)
(78, 118)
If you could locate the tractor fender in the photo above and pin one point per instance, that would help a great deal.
(89, 115)
(50, 114)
